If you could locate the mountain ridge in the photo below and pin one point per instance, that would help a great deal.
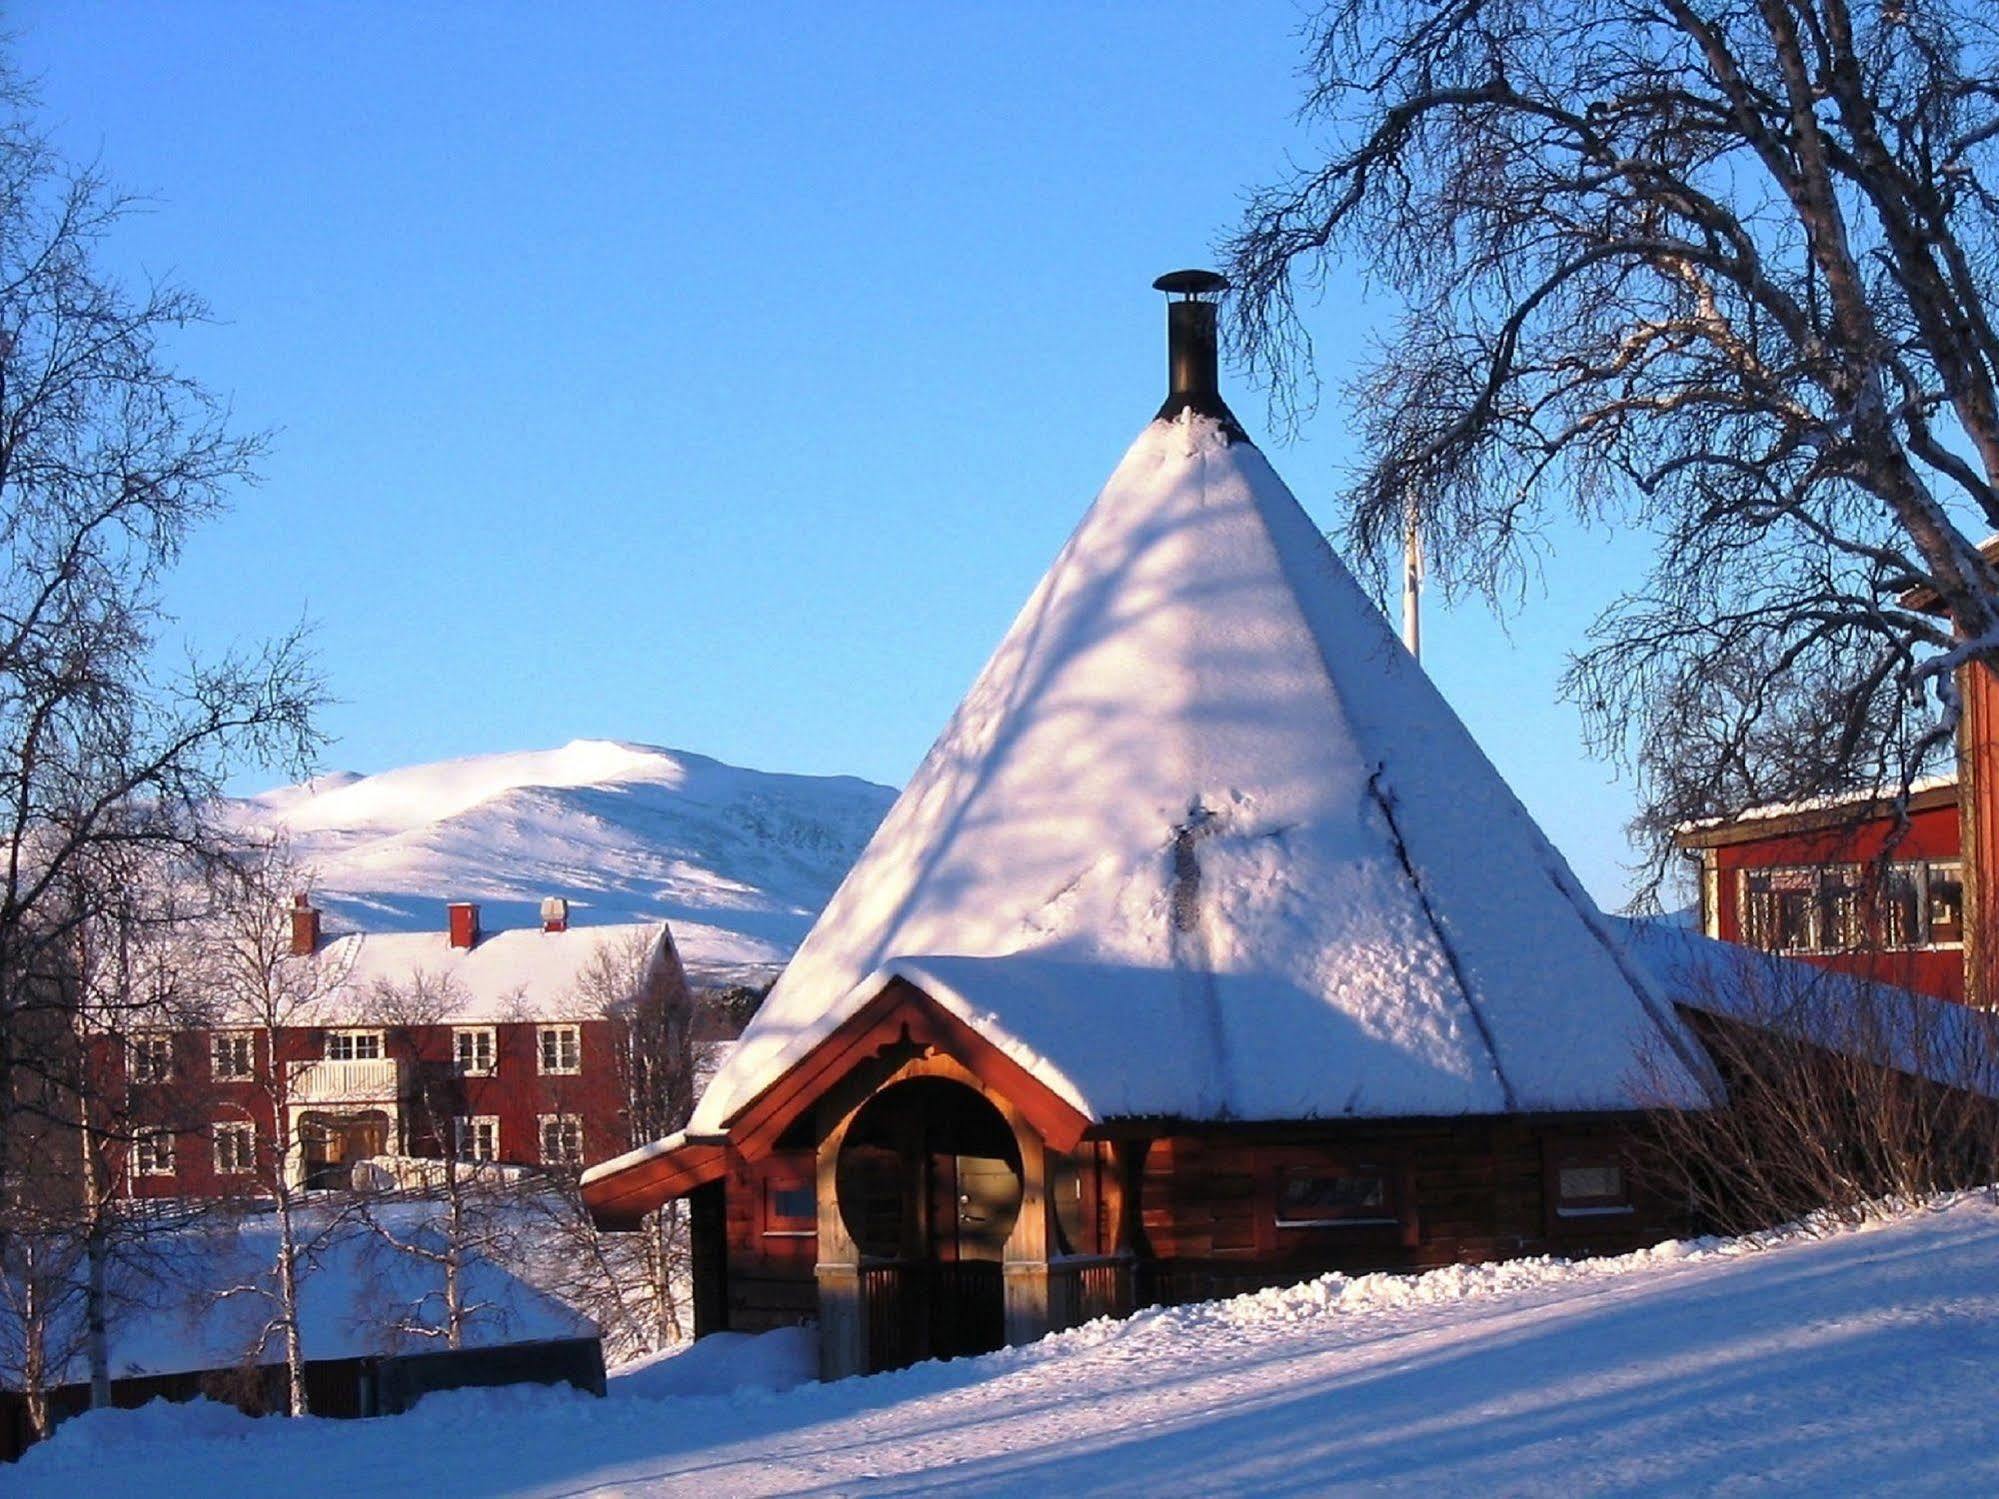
(739, 860)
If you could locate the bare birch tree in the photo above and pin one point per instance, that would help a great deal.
(255, 982)
(1722, 272)
(466, 1209)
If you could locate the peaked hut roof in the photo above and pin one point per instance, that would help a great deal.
(1203, 841)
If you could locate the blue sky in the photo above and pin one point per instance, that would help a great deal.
(715, 377)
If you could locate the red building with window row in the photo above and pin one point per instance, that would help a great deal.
(1844, 883)
(455, 1045)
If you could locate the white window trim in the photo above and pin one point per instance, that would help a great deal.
(467, 1128)
(230, 1128)
(542, 1122)
(142, 1044)
(541, 1032)
(492, 1050)
(350, 1034)
(215, 1056)
(163, 1161)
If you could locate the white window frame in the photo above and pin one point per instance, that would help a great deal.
(235, 1129)
(223, 1042)
(463, 1033)
(140, 1057)
(351, 1041)
(467, 1129)
(156, 1143)
(563, 1155)
(542, 1035)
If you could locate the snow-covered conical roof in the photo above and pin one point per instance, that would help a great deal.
(1204, 841)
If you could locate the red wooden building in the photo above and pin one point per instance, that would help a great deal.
(1205, 950)
(472, 1045)
(1845, 883)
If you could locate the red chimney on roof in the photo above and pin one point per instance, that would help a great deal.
(305, 927)
(464, 927)
(554, 914)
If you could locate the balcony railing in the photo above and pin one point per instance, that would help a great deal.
(378, 1080)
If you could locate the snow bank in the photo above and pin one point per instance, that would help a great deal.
(723, 1363)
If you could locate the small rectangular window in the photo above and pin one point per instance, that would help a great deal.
(474, 1050)
(561, 1048)
(791, 1207)
(153, 1153)
(151, 1057)
(1329, 1197)
(478, 1137)
(235, 1148)
(353, 1046)
(1587, 1186)
(235, 1055)
(562, 1139)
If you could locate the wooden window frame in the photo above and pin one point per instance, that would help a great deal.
(463, 1033)
(159, 1140)
(465, 1136)
(1398, 1224)
(772, 1224)
(234, 1129)
(225, 1041)
(541, 1036)
(353, 1036)
(563, 1156)
(1596, 1215)
(145, 1049)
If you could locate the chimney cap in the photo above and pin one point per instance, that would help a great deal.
(1192, 283)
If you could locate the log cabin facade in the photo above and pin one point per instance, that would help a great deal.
(1204, 951)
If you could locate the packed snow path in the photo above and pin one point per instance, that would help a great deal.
(1862, 1362)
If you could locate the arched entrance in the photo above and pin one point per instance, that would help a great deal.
(929, 1185)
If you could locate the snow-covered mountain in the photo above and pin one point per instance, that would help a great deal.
(740, 861)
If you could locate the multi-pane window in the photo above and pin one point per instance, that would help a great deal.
(561, 1048)
(478, 1138)
(474, 1050)
(151, 1057)
(153, 1153)
(1851, 907)
(562, 1139)
(235, 1055)
(235, 1147)
(353, 1046)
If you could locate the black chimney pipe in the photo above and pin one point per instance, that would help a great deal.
(1193, 361)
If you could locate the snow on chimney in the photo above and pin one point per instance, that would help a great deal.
(464, 927)
(305, 927)
(555, 914)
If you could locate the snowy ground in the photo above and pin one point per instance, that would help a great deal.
(1860, 1362)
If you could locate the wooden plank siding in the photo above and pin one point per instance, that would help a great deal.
(1465, 1190)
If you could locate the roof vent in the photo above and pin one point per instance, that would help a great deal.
(1193, 362)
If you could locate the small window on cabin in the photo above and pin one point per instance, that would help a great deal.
(1901, 904)
(791, 1208)
(153, 1152)
(1325, 1197)
(1946, 903)
(1587, 1187)
(235, 1147)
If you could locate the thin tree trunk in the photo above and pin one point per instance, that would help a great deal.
(288, 1302)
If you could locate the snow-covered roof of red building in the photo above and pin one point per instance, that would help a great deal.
(1204, 841)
